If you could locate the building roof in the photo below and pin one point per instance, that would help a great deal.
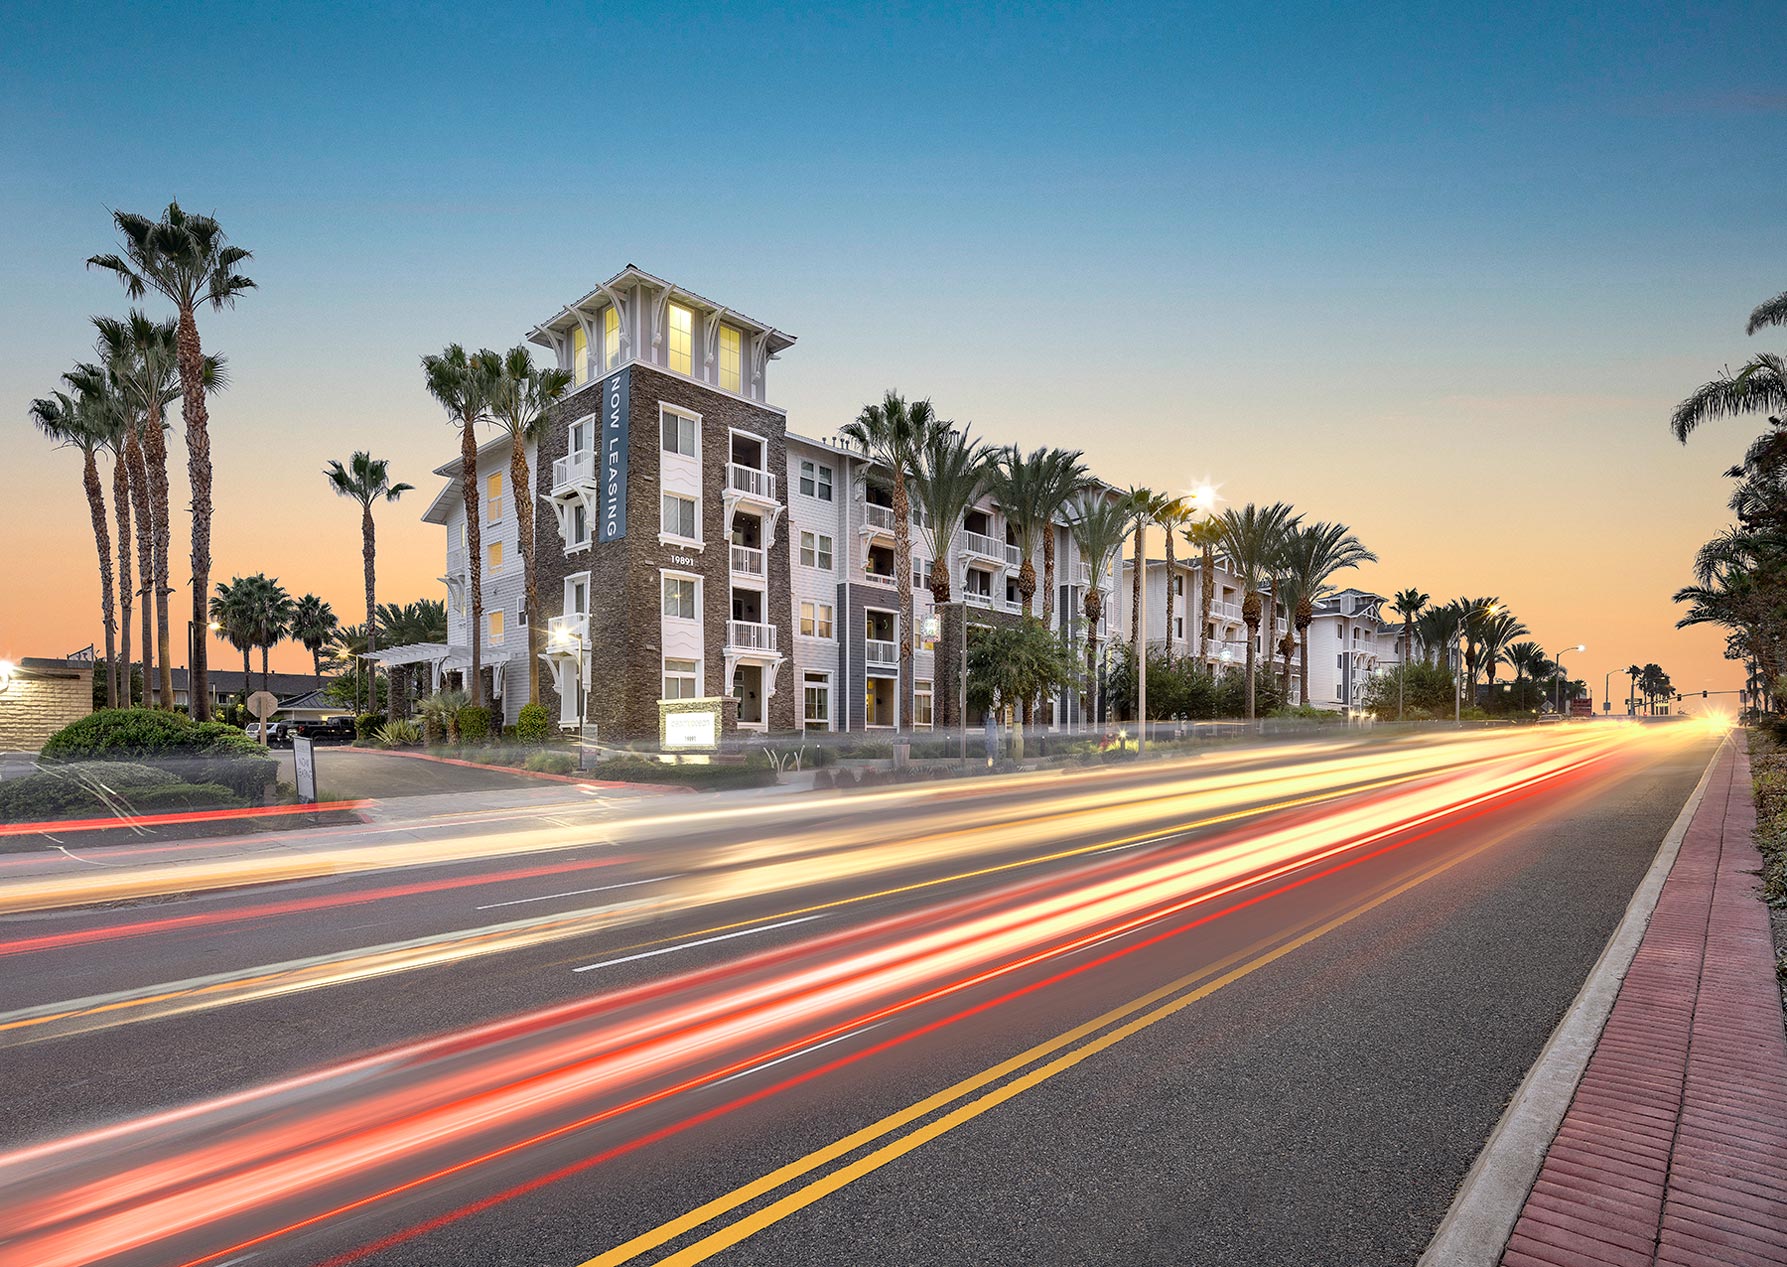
(229, 681)
(565, 319)
(449, 496)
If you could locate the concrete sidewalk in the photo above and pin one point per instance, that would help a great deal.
(1674, 1147)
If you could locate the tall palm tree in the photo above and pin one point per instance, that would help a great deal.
(1760, 386)
(1019, 484)
(1099, 525)
(1477, 614)
(1498, 632)
(233, 611)
(1172, 514)
(463, 391)
(99, 391)
(1204, 535)
(1312, 554)
(269, 608)
(1434, 629)
(424, 620)
(70, 421)
(314, 623)
(1525, 658)
(366, 479)
(519, 396)
(188, 260)
(891, 433)
(948, 472)
(1408, 604)
(1252, 538)
(1143, 504)
(1633, 672)
(1062, 477)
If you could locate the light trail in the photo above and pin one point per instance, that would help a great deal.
(295, 1151)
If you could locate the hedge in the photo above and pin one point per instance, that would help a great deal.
(473, 723)
(97, 789)
(178, 747)
(713, 777)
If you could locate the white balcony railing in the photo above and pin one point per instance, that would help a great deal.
(572, 470)
(977, 600)
(880, 651)
(1225, 611)
(747, 635)
(983, 545)
(1082, 574)
(456, 563)
(880, 517)
(567, 634)
(885, 579)
(748, 479)
(1014, 557)
(748, 561)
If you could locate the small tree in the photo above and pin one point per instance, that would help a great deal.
(1011, 664)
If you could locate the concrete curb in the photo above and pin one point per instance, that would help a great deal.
(1476, 1229)
(541, 775)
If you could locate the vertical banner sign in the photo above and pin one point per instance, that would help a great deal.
(612, 520)
(304, 766)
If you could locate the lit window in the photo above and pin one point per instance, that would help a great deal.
(493, 556)
(818, 699)
(582, 432)
(610, 337)
(679, 517)
(921, 703)
(731, 359)
(495, 622)
(680, 434)
(579, 525)
(493, 496)
(682, 338)
(579, 354)
(680, 679)
(815, 551)
(815, 480)
(815, 620)
(679, 597)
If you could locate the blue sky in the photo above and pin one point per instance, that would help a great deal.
(1342, 257)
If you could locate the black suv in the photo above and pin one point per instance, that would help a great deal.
(331, 730)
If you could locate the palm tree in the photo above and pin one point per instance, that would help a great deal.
(1252, 538)
(424, 620)
(314, 623)
(1312, 554)
(1019, 484)
(1143, 504)
(122, 365)
(1527, 659)
(187, 259)
(1204, 536)
(1477, 614)
(269, 610)
(1408, 604)
(70, 421)
(1434, 629)
(96, 387)
(1172, 514)
(1499, 630)
(367, 479)
(948, 472)
(891, 433)
(1062, 477)
(233, 611)
(1099, 525)
(519, 396)
(1759, 387)
(464, 393)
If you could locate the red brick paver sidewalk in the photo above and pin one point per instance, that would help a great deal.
(1674, 1149)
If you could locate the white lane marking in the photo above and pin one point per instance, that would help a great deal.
(795, 1055)
(690, 945)
(547, 897)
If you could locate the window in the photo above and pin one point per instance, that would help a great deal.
(921, 573)
(493, 556)
(921, 703)
(818, 700)
(582, 432)
(815, 480)
(679, 517)
(577, 596)
(815, 620)
(681, 435)
(494, 622)
(815, 551)
(494, 496)
(732, 359)
(679, 597)
(579, 525)
(610, 337)
(682, 338)
(1178, 626)
(579, 354)
(680, 679)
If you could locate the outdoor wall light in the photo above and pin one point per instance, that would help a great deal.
(7, 669)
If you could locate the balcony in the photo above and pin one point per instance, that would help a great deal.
(566, 635)
(983, 546)
(1082, 574)
(884, 579)
(751, 482)
(1221, 610)
(1014, 557)
(576, 470)
(456, 563)
(876, 517)
(748, 561)
(878, 651)
(977, 600)
(747, 635)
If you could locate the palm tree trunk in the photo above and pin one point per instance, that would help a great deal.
(198, 471)
(1169, 599)
(126, 580)
(103, 540)
(1027, 586)
(1250, 616)
(316, 660)
(155, 456)
(522, 489)
(1093, 606)
(474, 561)
(902, 509)
(145, 530)
(1302, 662)
(1208, 587)
(1136, 640)
(266, 675)
(1048, 575)
(368, 558)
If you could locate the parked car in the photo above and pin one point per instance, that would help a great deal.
(325, 730)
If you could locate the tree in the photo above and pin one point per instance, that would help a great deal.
(188, 260)
(314, 623)
(1172, 514)
(1497, 631)
(1019, 484)
(70, 421)
(1252, 538)
(1204, 536)
(1408, 604)
(1099, 524)
(422, 621)
(1759, 387)
(890, 433)
(519, 395)
(366, 479)
(949, 470)
(1062, 476)
(109, 413)
(1310, 556)
(233, 610)
(1009, 665)
(1144, 504)
(463, 391)
(1527, 659)
(270, 610)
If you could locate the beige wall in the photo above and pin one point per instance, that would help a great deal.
(37, 703)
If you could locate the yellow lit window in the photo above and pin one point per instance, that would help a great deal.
(493, 496)
(493, 555)
(731, 360)
(610, 337)
(579, 354)
(496, 627)
(682, 338)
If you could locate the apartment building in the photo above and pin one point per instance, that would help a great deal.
(1349, 643)
(1222, 640)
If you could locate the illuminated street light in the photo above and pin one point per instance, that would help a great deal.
(1458, 672)
(1559, 692)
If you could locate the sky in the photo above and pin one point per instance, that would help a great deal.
(1437, 274)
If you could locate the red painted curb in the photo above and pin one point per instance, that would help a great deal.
(186, 816)
(530, 774)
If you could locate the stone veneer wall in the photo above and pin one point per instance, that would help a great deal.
(39, 702)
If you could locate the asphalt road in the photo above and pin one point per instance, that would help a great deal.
(1328, 1029)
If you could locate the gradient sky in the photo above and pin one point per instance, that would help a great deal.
(1438, 275)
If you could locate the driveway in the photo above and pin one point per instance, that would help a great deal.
(345, 774)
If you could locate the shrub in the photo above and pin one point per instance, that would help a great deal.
(398, 734)
(550, 762)
(180, 748)
(434, 729)
(473, 723)
(713, 777)
(173, 798)
(366, 725)
(533, 724)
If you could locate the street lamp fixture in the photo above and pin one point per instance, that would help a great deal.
(1560, 675)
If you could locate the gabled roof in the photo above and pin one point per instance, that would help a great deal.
(449, 494)
(565, 319)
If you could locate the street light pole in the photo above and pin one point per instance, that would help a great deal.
(1458, 670)
(1559, 690)
(1141, 645)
